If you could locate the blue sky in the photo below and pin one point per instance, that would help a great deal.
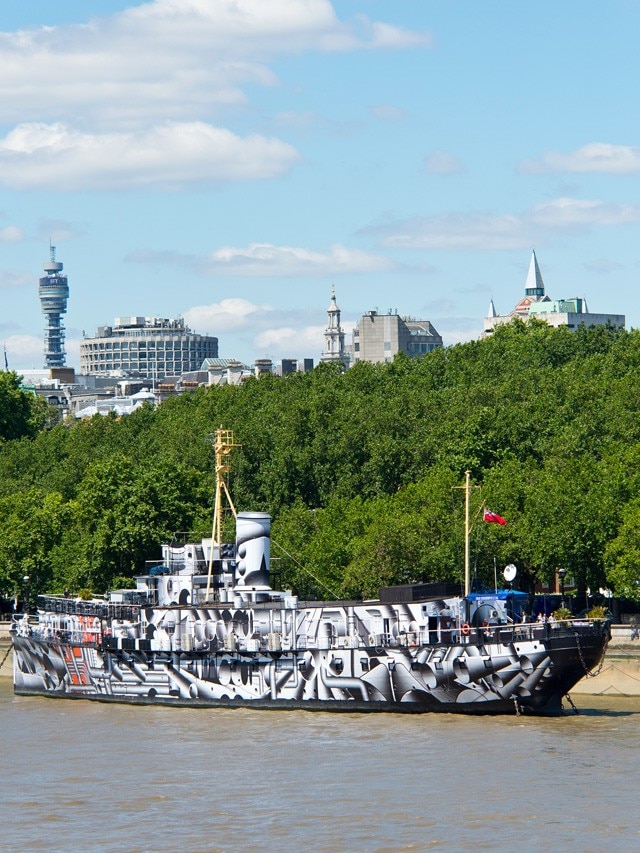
(229, 161)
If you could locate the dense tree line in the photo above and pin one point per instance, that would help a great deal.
(358, 470)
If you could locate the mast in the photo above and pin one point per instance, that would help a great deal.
(223, 446)
(467, 532)
(468, 524)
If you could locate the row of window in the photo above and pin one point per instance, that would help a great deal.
(160, 369)
(138, 345)
(134, 356)
(98, 359)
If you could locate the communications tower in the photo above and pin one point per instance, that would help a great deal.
(53, 292)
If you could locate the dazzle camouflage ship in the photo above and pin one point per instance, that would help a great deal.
(205, 628)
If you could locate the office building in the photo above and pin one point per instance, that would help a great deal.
(149, 347)
(378, 337)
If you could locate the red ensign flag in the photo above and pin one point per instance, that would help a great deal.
(493, 516)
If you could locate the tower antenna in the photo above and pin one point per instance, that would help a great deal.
(53, 291)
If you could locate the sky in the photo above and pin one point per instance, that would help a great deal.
(230, 161)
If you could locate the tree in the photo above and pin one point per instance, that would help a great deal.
(21, 414)
(124, 513)
(32, 524)
(622, 555)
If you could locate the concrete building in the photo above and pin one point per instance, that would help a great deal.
(230, 371)
(149, 347)
(378, 337)
(118, 405)
(535, 303)
(69, 392)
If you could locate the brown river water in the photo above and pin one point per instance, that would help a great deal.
(83, 776)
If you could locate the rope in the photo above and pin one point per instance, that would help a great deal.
(304, 569)
(626, 674)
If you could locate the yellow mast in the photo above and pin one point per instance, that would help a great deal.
(468, 526)
(223, 446)
(467, 533)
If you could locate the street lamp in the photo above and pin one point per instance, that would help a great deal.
(25, 593)
(561, 575)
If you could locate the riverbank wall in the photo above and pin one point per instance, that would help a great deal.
(619, 674)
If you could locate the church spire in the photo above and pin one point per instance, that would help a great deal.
(534, 285)
(334, 334)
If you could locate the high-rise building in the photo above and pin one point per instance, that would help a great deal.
(150, 347)
(53, 291)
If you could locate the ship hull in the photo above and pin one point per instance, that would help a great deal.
(528, 669)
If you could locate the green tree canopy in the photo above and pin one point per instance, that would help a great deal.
(357, 468)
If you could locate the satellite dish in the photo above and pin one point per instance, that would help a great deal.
(510, 572)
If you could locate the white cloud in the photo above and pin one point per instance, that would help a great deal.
(171, 58)
(11, 234)
(265, 260)
(454, 231)
(169, 156)
(274, 332)
(224, 316)
(127, 101)
(453, 336)
(287, 341)
(14, 279)
(491, 232)
(26, 352)
(569, 212)
(594, 157)
(23, 352)
(442, 163)
(388, 112)
(385, 35)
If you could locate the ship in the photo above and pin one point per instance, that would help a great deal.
(203, 627)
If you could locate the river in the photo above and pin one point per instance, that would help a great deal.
(87, 777)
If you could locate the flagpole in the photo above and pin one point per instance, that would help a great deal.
(467, 501)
